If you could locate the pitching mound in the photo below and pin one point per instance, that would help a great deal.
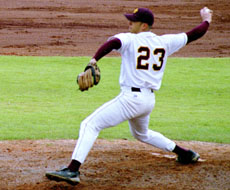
(118, 164)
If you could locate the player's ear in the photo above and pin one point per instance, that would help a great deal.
(145, 27)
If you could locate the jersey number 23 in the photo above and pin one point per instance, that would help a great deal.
(157, 52)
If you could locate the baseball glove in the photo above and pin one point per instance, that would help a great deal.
(90, 77)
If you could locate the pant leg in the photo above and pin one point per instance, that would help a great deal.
(110, 114)
(139, 129)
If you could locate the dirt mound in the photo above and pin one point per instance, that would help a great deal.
(118, 164)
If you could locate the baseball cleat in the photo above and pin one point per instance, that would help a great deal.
(66, 175)
(190, 157)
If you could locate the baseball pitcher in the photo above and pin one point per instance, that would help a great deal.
(144, 57)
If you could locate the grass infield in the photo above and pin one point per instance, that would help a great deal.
(39, 98)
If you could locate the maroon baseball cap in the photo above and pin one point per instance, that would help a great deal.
(141, 15)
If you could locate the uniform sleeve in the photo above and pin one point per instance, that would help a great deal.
(197, 32)
(174, 42)
(107, 47)
(125, 39)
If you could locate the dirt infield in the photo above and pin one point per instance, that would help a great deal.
(77, 28)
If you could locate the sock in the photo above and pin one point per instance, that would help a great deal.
(74, 166)
(180, 151)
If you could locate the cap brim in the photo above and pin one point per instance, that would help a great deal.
(131, 17)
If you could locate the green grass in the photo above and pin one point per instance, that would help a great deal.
(194, 101)
(39, 98)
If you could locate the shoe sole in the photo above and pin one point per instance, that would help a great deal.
(71, 181)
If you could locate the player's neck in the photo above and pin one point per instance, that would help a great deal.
(143, 31)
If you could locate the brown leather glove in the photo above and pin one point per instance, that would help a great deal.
(90, 77)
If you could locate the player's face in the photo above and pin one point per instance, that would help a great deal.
(135, 27)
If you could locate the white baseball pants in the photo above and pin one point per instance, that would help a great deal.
(132, 106)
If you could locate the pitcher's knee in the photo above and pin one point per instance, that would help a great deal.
(85, 125)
